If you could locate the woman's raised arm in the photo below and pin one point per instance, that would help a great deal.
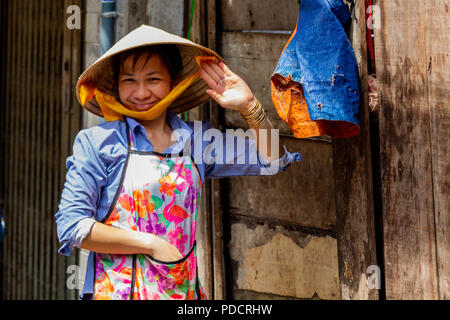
(231, 92)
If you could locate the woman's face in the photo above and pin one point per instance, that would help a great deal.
(143, 86)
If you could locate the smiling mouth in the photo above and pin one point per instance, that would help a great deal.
(144, 105)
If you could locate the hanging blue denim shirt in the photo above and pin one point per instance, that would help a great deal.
(99, 156)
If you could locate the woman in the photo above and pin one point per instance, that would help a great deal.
(133, 188)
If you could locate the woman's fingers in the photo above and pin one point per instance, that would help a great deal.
(207, 77)
(212, 70)
(217, 70)
(225, 69)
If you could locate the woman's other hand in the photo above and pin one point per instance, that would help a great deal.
(226, 88)
(162, 250)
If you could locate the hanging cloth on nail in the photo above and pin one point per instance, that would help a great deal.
(315, 86)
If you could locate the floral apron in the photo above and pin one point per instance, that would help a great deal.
(159, 194)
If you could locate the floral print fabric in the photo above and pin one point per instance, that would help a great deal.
(160, 195)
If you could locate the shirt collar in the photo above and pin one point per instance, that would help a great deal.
(175, 122)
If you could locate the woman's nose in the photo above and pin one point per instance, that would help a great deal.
(142, 92)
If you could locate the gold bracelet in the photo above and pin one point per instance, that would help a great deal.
(255, 115)
(255, 118)
(252, 109)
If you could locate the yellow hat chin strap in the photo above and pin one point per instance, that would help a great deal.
(113, 110)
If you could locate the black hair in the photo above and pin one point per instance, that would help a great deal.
(169, 54)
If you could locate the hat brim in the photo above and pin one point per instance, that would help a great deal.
(101, 73)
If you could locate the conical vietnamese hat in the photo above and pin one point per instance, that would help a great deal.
(101, 75)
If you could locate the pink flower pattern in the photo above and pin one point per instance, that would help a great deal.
(178, 239)
(174, 196)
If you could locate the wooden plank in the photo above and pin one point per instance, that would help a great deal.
(215, 116)
(32, 149)
(302, 196)
(46, 272)
(37, 115)
(12, 185)
(55, 267)
(21, 110)
(6, 65)
(353, 187)
(8, 58)
(3, 44)
(438, 39)
(14, 133)
(28, 77)
(242, 52)
(43, 128)
(75, 126)
(137, 14)
(63, 100)
(3, 51)
(407, 186)
(15, 271)
(258, 15)
(204, 227)
(283, 260)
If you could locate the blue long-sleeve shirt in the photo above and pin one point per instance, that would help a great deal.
(98, 160)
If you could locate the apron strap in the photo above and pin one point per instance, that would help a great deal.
(197, 286)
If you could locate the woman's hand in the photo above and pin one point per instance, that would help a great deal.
(226, 88)
(162, 250)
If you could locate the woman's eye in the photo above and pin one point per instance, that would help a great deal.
(128, 80)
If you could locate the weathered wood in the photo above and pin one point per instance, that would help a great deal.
(62, 107)
(302, 196)
(258, 15)
(38, 151)
(353, 186)
(204, 226)
(20, 140)
(9, 244)
(215, 116)
(67, 122)
(438, 40)
(409, 235)
(31, 149)
(44, 251)
(281, 259)
(33, 19)
(137, 13)
(254, 57)
(76, 121)
(53, 267)
(27, 155)
(3, 115)
(167, 15)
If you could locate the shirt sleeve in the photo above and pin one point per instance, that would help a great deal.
(227, 155)
(86, 175)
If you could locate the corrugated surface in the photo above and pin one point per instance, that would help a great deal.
(40, 117)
